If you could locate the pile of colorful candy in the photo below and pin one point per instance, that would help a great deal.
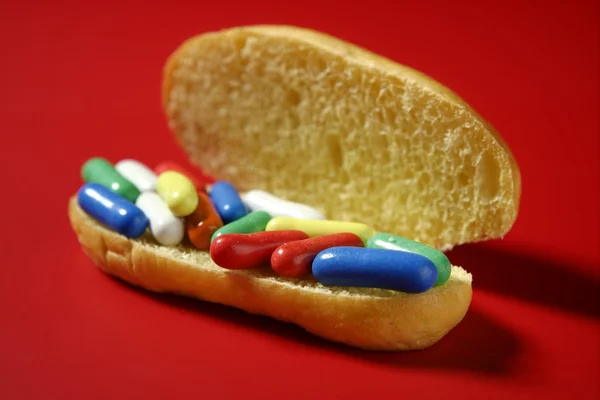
(253, 230)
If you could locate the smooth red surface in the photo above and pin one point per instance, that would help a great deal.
(82, 79)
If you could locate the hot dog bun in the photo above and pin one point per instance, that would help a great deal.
(319, 121)
(366, 318)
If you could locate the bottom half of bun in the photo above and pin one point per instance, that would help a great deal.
(372, 319)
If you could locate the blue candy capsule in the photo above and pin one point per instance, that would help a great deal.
(227, 201)
(374, 268)
(112, 210)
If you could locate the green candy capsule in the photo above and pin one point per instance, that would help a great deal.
(255, 221)
(393, 242)
(98, 170)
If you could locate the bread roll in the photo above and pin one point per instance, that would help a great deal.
(318, 121)
(371, 319)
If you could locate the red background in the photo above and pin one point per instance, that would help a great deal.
(83, 79)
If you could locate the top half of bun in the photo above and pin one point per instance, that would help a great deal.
(320, 121)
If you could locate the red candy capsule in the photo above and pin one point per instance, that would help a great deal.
(171, 166)
(294, 259)
(245, 251)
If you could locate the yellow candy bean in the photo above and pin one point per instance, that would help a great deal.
(315, 228)
(178, 192)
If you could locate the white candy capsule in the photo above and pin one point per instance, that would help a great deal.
(258, 200)
(166, 228)
(137, 173)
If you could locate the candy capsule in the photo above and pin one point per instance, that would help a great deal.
(166, 228)
(255, 221)
(203, 222)
(374, 268)
(171, 166)
(393, 242)
(227, 201)
(137, 173)
(112, 210)
(99, 170)
(320, 227)
(178, 192)
(245, 251)
(294, 259)
(258, 200)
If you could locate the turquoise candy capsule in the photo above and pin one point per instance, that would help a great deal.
(398, 243)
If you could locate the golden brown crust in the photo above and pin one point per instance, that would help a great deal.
(364, 318)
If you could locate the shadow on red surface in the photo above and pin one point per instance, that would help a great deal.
(530, 279)
(477, 344)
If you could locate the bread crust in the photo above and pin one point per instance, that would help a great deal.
(370, 319)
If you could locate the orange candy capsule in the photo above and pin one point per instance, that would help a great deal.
(253, 250)
(294, 259)
(203, 222)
